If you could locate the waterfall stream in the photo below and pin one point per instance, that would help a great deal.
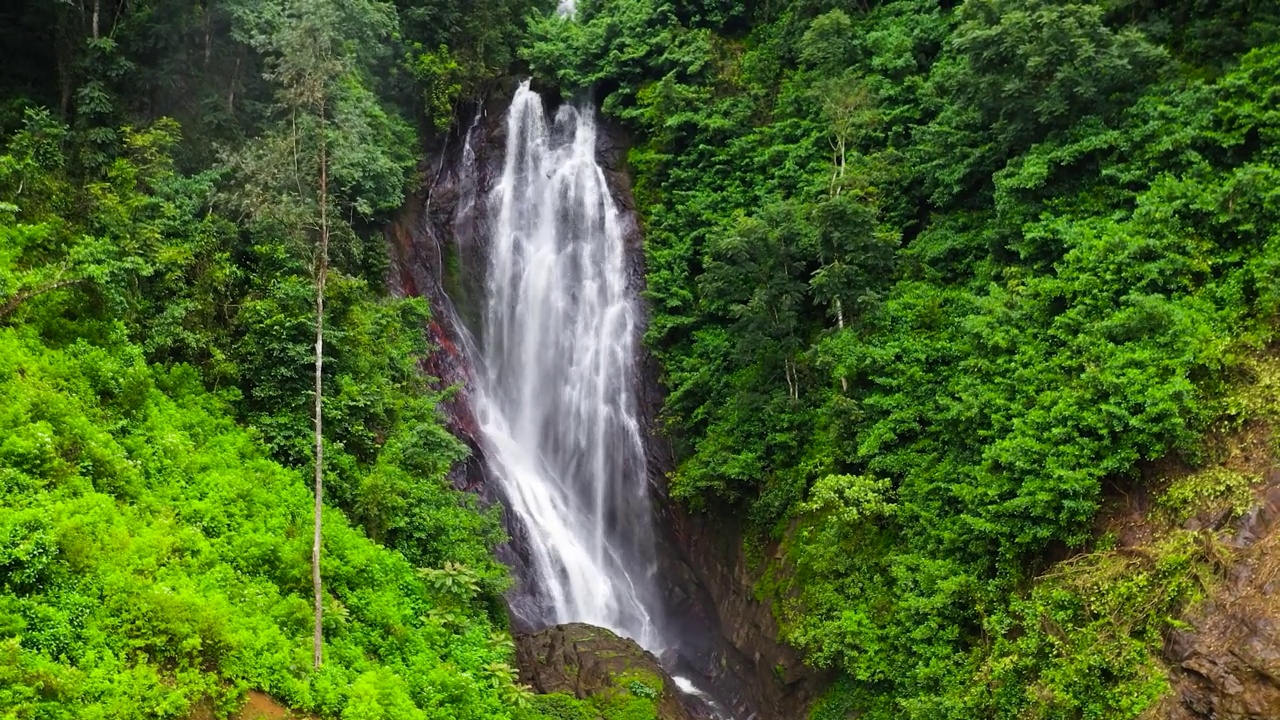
(557, 366)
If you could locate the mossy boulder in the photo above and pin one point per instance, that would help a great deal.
(589, 662)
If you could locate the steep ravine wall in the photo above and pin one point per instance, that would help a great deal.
(709, 582)
(438, 248)
(436, 245)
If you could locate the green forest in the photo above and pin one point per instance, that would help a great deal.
(925, 280)
(931, 284)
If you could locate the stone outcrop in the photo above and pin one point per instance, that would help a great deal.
(587, 661)
(1226, 665)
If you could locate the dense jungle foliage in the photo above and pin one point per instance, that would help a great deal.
(158, 204)
(926, 279)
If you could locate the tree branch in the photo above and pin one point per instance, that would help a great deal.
(16, 300)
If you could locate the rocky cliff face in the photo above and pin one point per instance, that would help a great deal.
(1226, 664)
(437, 245)
(766, 675)
(438, 248)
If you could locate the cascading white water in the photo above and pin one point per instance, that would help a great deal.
(555, 397)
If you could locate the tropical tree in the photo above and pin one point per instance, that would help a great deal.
(332, 153)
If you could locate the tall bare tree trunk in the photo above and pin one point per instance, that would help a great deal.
(322, 272)
(231, 86)
(207, 24)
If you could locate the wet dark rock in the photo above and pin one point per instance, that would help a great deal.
(1233, 674)
(1214, 519)
(759, 673)
(586, 661)
(437, 245)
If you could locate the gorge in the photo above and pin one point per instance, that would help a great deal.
(526, 243)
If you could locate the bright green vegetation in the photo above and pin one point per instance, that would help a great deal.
(154, 556)
(925, 278)
(628, 699)
(609, 706)
(160, 173)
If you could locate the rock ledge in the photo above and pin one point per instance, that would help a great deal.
(587, 661)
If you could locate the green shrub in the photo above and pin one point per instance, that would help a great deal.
(1210, 489)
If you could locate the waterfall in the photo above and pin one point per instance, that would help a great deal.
(555, 396)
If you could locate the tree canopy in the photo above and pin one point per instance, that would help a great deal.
(927, 279)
